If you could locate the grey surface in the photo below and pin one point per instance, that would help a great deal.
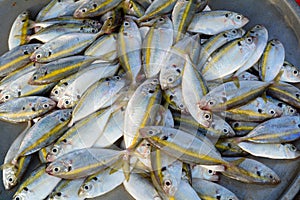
(281, 17)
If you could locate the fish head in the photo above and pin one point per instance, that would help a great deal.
(87, 189)
(59, 167)
(204, 117)
(268, 175)
(169, 184)
(237, 19)
(150, 131)
(6, 95)
(66, 101)
(273, 110)
(44, 104)
(22, 194)
(234, 33)
(222, 127)
(40, 54)
(259, 31)
(57, 91)
(85, 8)
(150, 87)
(9, 177)
(54, 153)
(291, 151)
(246, 76)
(172, 78)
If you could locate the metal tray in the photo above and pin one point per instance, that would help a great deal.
(282, 19)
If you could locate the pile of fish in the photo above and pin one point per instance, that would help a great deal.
(161, 96)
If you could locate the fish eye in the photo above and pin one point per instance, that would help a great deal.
(210, 172)
(227, 15)
(25, 52)
(45, 105)
(218, 197)
(126, 23)
(150, 132)
(259, 110)
(54, 150)
(95, 5)
(181, 106)
(293, 148)
(56, 169)
(155, 81)
(239, 17)
(170, 79)
(95, 178)
(295, 72)
(249, 39)
(18, 198)
(207, 116)
(298, 95)
(118, 78)
(178, 70)
(161, 19)
(236, 124)
(56, 92)
(225, 130)
(86, 187)
(67, 102)
(58, 194)
(171, 97)
(271, 177)
(257, 26)
(291, 110)
(168, 183)
(211, 102)
(83, 10)
(36, 47)
(6, 97)
(272, 112)
(234, 31)
(38, 56)
(65, 140)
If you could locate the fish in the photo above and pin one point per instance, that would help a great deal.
(100, 183)
(255, 111)
(63, 46)
(215, 42)
(285, 92)
(141, 188)
(157, 8)
(252, 171)
(182, 145)
(133, 8)
(155, 45)
(186, 191)
(228, 147)
(95, 8)
(105, 48)
(272, 151)
(43, 133)
(262, 35)
(58, 8)
(25, 108)
(82, 80)
(38, 185)
(182, 15)
(58, 69)
(229, 58)
(214, 22)
(101, 94)
(138, 109)
(291, 73)
(19, 30)
(129, 45)
(55, 30)
(210, 190)
(271, 60)
(200, 172)
(16, 58)
(193, 89)
(83, 162)
(228, 95)
(67, 189)
(277, 130)
(11, 174)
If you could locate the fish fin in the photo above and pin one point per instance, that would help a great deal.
(236, 81)
(6, 165)
(277, 78)
(238, 161)
(264, 97)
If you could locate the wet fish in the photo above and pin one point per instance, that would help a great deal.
(19, 30)
(291, 73)
(25, 108)
(214, 22)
